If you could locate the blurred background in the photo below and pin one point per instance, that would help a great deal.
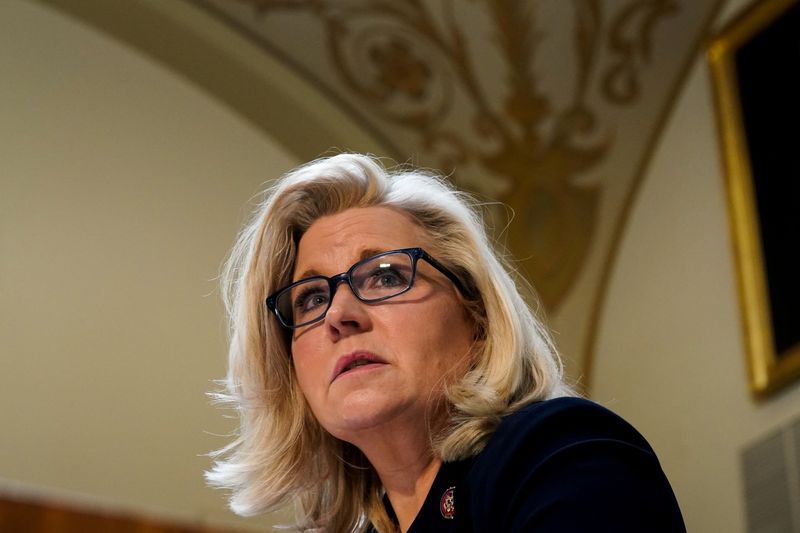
(135, 136)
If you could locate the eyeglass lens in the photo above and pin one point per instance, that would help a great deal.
(377, 278)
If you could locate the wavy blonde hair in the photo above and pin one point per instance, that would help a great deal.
(281, 454)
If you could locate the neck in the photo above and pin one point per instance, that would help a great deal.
(406, 465)
(408, 489)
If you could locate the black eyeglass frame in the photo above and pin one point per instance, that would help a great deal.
(333, 283)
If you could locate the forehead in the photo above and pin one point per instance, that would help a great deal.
(339, 239)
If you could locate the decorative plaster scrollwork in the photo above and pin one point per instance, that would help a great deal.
(416, 70)
(630, 41)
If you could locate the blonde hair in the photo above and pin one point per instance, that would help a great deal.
(282, 455)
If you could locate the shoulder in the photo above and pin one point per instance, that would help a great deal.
(561, 422)
(544, 434)
(566, 464)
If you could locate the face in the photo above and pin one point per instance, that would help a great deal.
(369, 365)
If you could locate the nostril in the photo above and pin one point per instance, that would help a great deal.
(346, 314)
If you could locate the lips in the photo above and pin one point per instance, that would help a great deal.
(354, 360)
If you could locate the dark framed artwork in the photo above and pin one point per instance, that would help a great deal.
(755, 64)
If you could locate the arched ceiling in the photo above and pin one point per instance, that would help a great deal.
(551, 107)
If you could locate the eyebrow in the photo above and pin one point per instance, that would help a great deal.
(366, 252)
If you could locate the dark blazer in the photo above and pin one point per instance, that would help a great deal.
(557, 466)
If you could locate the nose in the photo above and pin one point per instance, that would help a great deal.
(347, 314)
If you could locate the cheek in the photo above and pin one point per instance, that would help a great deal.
(308, 375)
(445, 337)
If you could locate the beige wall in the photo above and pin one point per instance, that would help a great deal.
(121, 188)
(670, 355)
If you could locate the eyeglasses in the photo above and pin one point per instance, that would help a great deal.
(374, 279)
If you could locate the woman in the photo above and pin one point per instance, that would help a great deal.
(389, 376)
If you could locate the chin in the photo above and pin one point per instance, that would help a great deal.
(356, 418)
(361, 420)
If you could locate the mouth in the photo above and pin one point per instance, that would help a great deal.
(354, 361)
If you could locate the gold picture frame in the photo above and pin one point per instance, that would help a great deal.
(771, 367)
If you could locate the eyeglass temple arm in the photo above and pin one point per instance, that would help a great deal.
(447, 272)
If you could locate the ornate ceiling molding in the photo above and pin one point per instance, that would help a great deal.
(550, 107)
(231, 67)
(479, 89)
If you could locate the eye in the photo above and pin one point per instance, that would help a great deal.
(309, 299)
(387, 278)
(383, 276)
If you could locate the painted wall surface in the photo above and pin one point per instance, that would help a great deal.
(670, 356)
(121, 189)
